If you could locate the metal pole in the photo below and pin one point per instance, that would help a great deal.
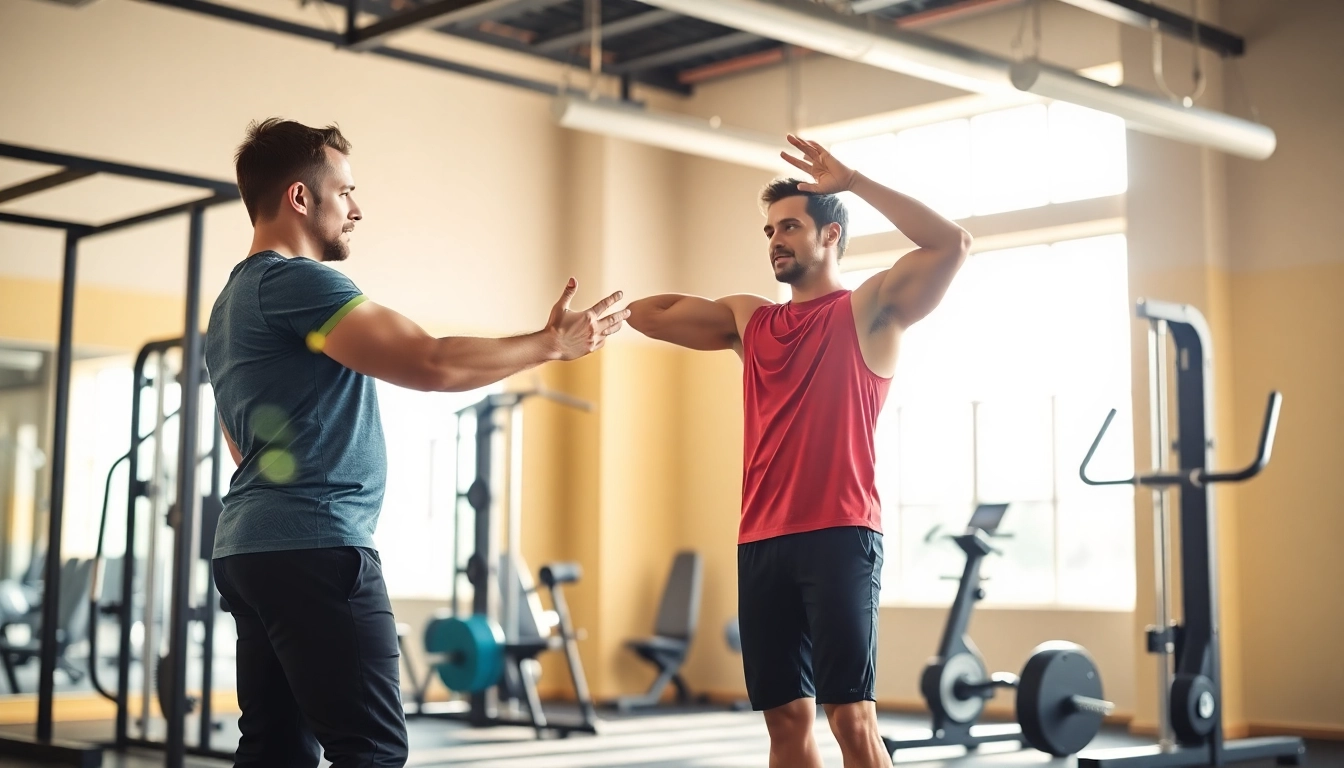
(150, 642)
(211, 606)
(187, 497)
(485, 597)
(134, 491)
(515, 484)
(1157, 413)
(51, 580)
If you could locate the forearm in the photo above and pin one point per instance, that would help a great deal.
(924, 226)
(462, 363)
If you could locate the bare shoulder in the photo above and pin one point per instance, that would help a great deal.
(743, 306)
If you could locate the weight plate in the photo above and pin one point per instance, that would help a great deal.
(163, 684)
(1051, 721)
(473, 652)
(1193, 708)
(943, 678)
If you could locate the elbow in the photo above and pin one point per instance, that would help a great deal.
(643, 320)
(436, 373)
(962, 247)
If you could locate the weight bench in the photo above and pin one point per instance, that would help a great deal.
(72, 624)
(678, 614)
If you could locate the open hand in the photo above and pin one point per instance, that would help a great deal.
(829, 175)
(578, 333)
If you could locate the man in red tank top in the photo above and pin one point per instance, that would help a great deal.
(816, 371)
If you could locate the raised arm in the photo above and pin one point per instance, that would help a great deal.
(382, 343)
(694, 322)
(914, 286)
(916, 283)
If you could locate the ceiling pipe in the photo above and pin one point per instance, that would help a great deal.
(866, 40)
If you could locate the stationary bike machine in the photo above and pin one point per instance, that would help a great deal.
(1190, 699)
(1059, 699)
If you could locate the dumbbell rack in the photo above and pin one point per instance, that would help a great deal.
(1190, 703)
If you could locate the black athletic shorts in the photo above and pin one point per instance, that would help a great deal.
(807, 607)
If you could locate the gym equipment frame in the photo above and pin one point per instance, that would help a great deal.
(1060, 705)
(487, 654)
(43, 745)
(1190, 705)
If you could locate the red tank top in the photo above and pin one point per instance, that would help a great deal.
(810, 410)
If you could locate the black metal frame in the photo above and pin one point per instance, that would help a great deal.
(482, 571)
(183, 614)
(365, 38)
(1196, 640)
(656, 46)
(43, 746)
(1141, 13)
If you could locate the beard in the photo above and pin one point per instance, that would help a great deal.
(791, 272)
(333, 247)
(335, 250)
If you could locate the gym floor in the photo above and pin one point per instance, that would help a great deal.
(698, 739)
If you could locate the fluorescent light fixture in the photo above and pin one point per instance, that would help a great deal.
(680, 133)
(868, 40)
(1146, 112)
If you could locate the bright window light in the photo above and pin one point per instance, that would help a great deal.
(997, 396)
(1087, 153)
(1000, 161)
(1008, 160)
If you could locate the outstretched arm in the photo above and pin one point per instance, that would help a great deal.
(914, 286)
(694, 322)
(382, 343)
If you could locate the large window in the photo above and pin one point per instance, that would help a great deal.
(1000, 161)
(415, 531)
(997, 397)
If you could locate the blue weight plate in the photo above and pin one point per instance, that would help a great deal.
(473, 652)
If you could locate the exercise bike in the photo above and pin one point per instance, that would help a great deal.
(1060, 705)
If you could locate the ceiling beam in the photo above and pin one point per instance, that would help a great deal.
(613, 29)
(438, 14)
(868, 6)
(1140, 13)
(682, 53)
(43, 184)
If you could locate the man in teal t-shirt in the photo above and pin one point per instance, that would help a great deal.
(292, 350)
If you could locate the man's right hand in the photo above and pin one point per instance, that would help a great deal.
(578, 333)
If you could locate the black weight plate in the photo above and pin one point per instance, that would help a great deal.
(163, 684)
(1194, 708)
(1056, 672)
(938, 684)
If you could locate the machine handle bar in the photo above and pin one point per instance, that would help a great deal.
(1199, 476)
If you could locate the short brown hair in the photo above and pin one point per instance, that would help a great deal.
(824, 209)
(277, 153)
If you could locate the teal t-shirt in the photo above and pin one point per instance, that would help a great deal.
(314, 462)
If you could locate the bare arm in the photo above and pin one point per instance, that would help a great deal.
(382, 343)
(914, 286)
(695, 322)
(917, 282)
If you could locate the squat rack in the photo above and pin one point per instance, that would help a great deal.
(42, 745)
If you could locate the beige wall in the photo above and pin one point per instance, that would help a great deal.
(1287, 332)
(478, 209)
(455, 207)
